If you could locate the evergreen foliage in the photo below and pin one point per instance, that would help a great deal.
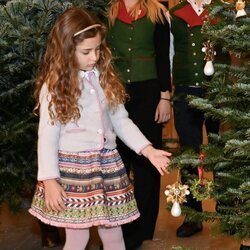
(24, 29)
(228, 100)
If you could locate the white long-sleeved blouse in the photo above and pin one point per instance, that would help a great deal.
(96, 129)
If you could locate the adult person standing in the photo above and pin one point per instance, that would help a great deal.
(139, 37)
(188, 64)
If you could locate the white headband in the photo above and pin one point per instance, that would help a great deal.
(87, 28)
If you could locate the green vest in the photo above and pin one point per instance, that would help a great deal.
(132, 46)
(188, 62)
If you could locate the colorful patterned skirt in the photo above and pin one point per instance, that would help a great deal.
(98, 191)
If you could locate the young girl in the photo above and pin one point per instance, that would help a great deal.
(82, 181)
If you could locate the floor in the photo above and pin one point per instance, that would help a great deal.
(21, 231)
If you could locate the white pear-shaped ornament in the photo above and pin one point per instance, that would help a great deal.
(176, 209)
(209, 68)
(241, 13)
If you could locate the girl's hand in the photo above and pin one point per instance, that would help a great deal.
(54, 195)
(159, 158)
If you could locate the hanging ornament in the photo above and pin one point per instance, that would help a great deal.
(209, 57)
(176, 209)
(201, 188)
(176, 194)
(240, 6)
(209, 68)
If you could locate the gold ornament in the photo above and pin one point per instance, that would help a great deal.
(209, 57)
(240, 6)
(209, 51)
(176, 192)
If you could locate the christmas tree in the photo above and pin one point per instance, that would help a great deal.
(227, 100)
(25, 25)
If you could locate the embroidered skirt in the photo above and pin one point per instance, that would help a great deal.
(98, 191)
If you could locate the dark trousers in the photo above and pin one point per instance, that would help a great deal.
(144, 97)
(188, 124)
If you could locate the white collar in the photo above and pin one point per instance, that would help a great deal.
(86, 74)
(196, 8)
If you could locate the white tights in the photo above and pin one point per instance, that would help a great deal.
(111, 237)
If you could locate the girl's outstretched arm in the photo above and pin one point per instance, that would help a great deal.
(159, 158)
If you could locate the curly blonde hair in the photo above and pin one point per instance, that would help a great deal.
(156, 11)
(59, 68)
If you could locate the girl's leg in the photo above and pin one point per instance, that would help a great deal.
(76, 239)
(112, 238)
